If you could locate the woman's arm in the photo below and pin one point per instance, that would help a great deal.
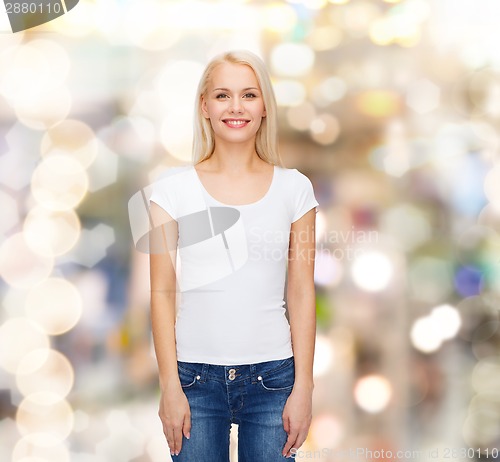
(163, 242)
(174, 409)
(297, 414)
(301, 296)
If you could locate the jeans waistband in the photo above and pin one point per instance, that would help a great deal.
(237, 373)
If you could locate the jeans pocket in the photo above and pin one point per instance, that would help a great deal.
(278, 380)
(187, 377)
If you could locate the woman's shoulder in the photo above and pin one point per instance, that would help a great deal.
(173, 181)
(292, 174)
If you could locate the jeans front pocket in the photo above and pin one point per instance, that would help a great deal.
(187, 376)
(280, 379)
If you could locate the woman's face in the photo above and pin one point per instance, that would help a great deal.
(233, 103)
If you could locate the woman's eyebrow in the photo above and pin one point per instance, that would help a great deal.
(244, 89)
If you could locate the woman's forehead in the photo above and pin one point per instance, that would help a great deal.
(230, 75)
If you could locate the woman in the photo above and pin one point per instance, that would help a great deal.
(238, 218)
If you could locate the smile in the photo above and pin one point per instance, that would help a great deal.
(236, 123)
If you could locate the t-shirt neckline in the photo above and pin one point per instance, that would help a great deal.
(268, 192)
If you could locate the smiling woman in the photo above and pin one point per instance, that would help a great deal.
(258, 84)
(235, 217)
(233, 101)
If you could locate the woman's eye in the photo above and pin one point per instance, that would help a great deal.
(246, 95)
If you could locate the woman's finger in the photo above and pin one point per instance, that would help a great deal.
(177, 436)
(292, 438)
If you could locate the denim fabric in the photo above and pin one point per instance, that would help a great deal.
(251, 395)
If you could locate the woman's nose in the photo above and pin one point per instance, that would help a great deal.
(236, 105)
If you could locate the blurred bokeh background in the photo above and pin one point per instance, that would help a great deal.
(391, 108)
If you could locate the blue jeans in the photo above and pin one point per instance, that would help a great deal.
(252, 396)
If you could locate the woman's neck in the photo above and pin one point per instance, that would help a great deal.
(234, 158)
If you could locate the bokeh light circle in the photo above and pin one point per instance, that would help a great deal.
(482, 427)
(430, 278)
(72, 138)
(292, 59)
(18, 338)
(447, 320)
(55, 304)
(325, 37)
(489, 217)
(328, 271)
(40, 447)
(373, 393)
(372, 271)
(324, 129)
(378, 103)
(472, 94)
(408, 224)
(289, 92)
(425, 336)
(18, 66)
(328, 91)
(485, 339)
(59, 183)
(44, 110)
(485, 376)
(474, 311)
(45, 412)
(57, 58)
(44, 59)
(279, 17)
(20, 266)
(324, 356)
(50, 233)
(327, 430)
(45, 371)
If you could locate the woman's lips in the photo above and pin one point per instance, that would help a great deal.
(236, 123)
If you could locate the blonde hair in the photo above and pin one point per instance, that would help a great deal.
(266, 139)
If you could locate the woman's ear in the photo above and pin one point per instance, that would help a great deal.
(264, 113)
(204, 107)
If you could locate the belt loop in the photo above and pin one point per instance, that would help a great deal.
(253, 372)
(204, 372)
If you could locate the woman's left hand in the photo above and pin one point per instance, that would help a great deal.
(297, 416)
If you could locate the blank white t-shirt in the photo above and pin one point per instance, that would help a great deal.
(231, 267)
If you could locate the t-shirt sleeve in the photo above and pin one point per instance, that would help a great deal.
(304, 199)
(162, 194)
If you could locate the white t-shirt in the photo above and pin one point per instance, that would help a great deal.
(231, 267)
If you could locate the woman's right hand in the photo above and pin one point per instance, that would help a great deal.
(175, 416)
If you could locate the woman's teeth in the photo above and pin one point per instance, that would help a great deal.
(236, 123)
